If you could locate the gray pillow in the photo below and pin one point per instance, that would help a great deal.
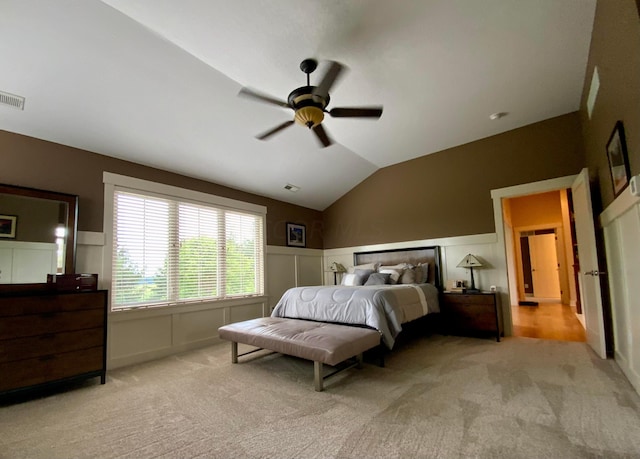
(408, 276)
(422, 273)
(362, 275)
(378, 279)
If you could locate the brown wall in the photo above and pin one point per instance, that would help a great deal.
(449, 193)
(34, 163)
(615, 49)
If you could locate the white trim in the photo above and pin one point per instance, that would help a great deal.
(282, 250)
(154, 187)
(533, 188)
(487, 238)
(619, 206)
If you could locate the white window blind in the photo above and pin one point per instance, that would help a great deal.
(168, 251)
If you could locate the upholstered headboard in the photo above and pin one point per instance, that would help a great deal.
(413, 256)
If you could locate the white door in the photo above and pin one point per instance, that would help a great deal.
(544, 266)
(589, 272)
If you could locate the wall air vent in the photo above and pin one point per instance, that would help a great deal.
(12, 100)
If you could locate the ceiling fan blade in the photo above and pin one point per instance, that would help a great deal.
(251, 94)
(276, 129)
(334, 71)
(348, 112)
(322, 135)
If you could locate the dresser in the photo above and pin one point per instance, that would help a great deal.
(49, 337)
(472, 313)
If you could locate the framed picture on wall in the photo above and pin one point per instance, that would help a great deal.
(296, 235)
(618, 160)
(8, 226)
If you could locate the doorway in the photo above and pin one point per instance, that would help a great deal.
(545, 302)
(538, 264)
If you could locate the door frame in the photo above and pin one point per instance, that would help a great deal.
(498, 195)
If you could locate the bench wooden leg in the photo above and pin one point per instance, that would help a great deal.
(234, 352)
(317, 373)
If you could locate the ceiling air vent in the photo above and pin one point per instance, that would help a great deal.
(291, 187)
(12, 100)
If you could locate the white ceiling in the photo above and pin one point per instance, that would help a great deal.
(156, 81)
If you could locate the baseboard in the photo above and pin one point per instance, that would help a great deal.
(632, 376)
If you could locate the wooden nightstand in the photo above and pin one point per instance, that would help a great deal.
(472, 313)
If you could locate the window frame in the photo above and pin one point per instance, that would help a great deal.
(114, 182)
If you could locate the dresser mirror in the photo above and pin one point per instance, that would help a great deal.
(37, 234)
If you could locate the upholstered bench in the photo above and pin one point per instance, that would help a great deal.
(323, 343)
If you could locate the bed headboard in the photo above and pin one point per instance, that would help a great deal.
(413, 256)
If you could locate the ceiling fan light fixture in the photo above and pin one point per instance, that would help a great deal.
(309, 116)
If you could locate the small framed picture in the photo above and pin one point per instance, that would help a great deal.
(8, 226)
(296, 235)
(618, 161)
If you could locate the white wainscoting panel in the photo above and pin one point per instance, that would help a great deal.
(289, 267)
(89, 254)
(621, 224)
(137, 339)
(145, 334)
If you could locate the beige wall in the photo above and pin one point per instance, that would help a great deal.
(615, 50)
(537, 209)
(448, 193)
(45, 165)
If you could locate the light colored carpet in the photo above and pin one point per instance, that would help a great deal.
(437, 397)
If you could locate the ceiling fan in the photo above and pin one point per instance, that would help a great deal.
(310, 103)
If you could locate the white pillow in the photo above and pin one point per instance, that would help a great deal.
(349, 279)
(373, 266)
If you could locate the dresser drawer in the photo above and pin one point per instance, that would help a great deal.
(472, 313)
(53, 322)
(60, 302)
(471, 316)
(463, 299)
(49, 368)
(37, 346)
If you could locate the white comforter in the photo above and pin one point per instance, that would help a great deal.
(382, 307)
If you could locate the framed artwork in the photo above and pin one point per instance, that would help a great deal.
(618, 161)
(8, 226)
(296, 235)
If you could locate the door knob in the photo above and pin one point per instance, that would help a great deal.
(595, 273)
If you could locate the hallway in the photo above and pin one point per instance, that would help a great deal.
(547, 321)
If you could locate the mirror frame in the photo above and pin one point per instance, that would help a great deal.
(72, 217)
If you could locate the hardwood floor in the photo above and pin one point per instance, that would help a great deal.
(547, 321)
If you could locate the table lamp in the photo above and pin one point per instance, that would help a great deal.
(470, 262)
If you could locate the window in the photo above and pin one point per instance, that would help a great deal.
(169, 250)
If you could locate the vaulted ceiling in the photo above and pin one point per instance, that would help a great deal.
(156, 81)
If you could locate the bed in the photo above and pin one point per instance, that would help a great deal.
(383, 307)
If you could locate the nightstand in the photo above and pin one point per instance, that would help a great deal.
(472, 313)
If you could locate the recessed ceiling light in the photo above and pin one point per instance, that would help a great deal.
(497, 115)
(291, 187)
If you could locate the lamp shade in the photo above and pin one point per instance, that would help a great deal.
(338, 268)
(309, 116)
(469, 261)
